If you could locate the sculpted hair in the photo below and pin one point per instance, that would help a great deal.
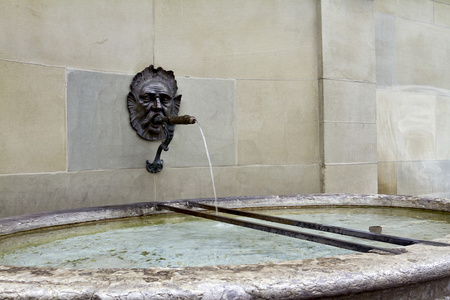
(152, 74)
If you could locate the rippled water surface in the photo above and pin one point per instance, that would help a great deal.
(176, 241)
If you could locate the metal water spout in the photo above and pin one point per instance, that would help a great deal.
(184, 120)
(153, 105)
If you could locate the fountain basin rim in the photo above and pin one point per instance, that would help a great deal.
(321, 277)
(15, 224)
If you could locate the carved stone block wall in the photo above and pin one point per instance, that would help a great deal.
(413, 97)
(347, 97)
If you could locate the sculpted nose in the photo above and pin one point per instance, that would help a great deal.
(157, 103)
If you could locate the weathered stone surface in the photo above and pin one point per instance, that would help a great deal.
(442, 13)
(419, 65)
(82, 34)
(347, 39)
(385, 6)
(350, 178)
(32, 121)
(350, 143)
(245, 40)
(442, 128)
(32, 193)
(387, 177)
(417, 10)
(406, 126)
(349, 101)
(230, 181)
(385, 50)
(278, 122)
(424, 178)
(347, 93)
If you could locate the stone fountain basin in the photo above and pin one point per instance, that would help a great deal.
(422, 271)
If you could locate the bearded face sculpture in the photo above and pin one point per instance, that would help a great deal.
(152, 96)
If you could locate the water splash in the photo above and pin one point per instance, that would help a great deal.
(210, 166)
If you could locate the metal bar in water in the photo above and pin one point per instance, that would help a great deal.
(315, 226)
(286, 232)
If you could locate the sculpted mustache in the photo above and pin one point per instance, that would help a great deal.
(147, 120)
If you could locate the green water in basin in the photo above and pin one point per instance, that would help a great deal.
(173, 240)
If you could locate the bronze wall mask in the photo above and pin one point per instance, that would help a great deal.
(152, 97)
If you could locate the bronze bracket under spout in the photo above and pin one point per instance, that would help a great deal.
(153, 107)
(169, 128)
(157, 164)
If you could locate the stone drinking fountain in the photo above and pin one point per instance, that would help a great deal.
(411, 269)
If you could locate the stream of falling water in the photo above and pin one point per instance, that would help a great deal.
(210, 166)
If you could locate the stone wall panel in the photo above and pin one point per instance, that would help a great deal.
(422, 54)
(238, 39)
(406, 126)
(348, 47)
(278, 122)
(32, 118)
(348, 178)
(94, 35)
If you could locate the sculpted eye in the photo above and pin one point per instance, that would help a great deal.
(165, 98)
(145, 98)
